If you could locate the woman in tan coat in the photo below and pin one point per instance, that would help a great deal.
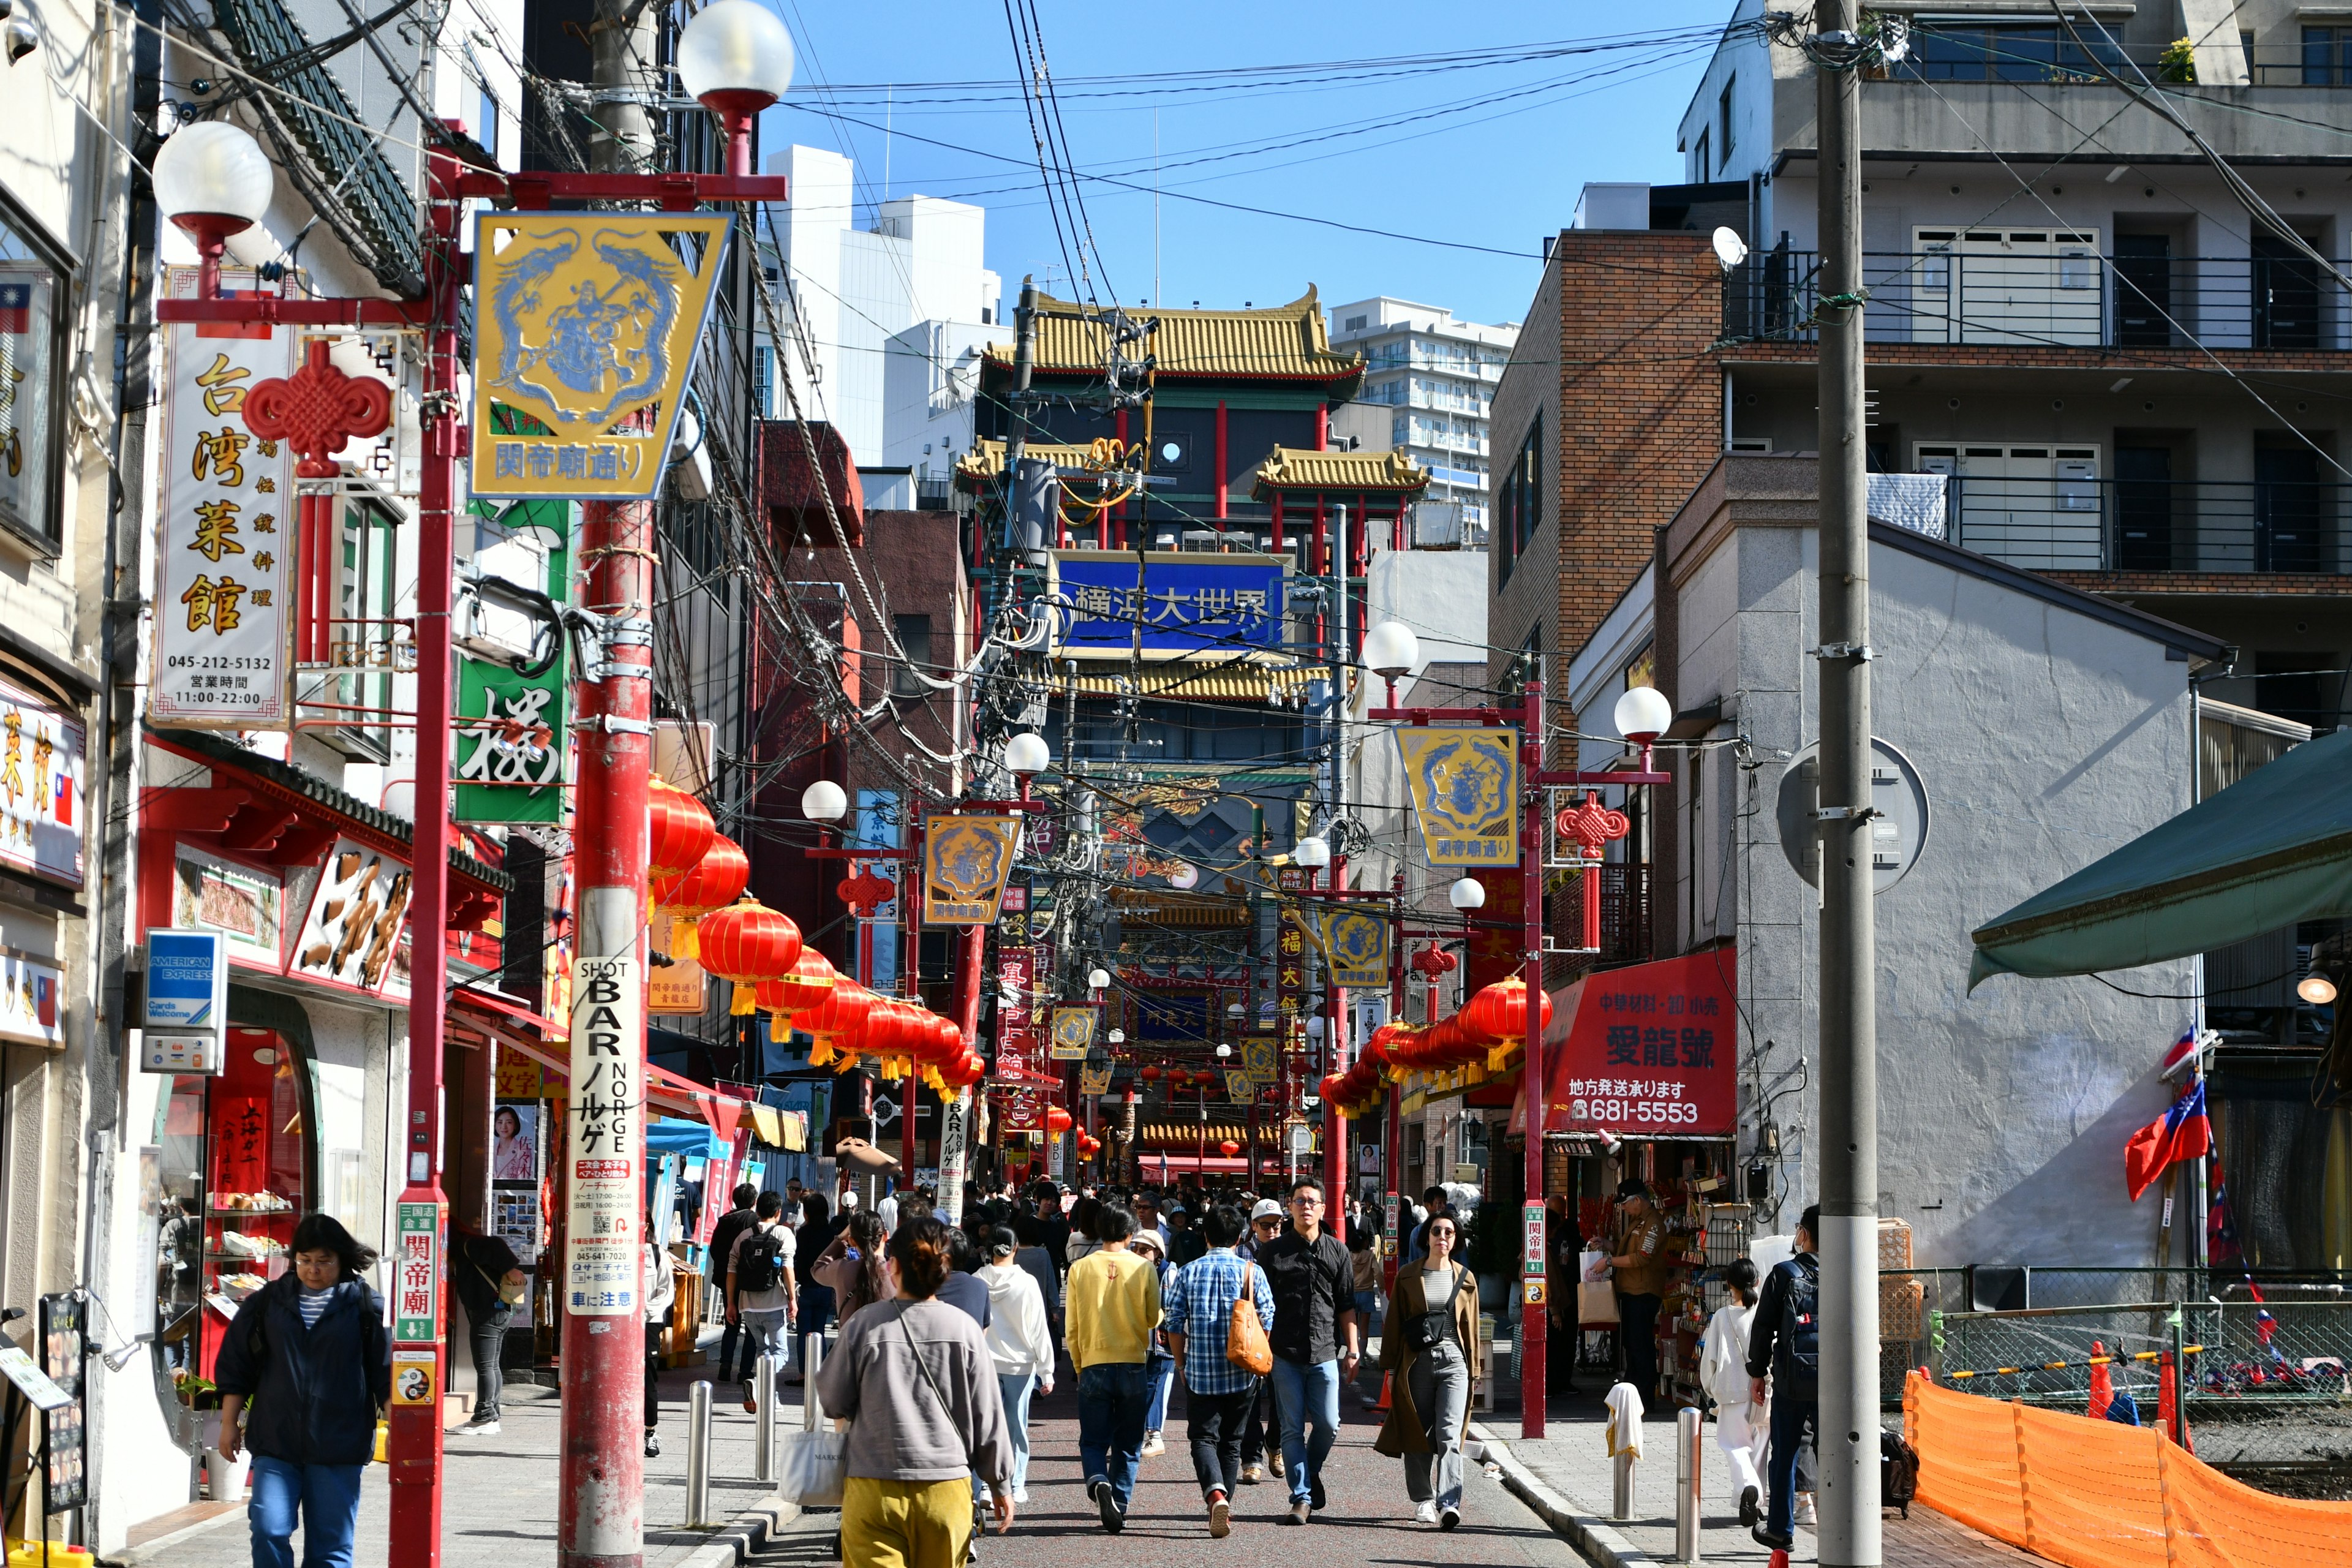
(1430, 1343)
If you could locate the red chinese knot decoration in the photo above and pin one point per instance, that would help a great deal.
(1591, 825)
(317, 409)
(865, 892)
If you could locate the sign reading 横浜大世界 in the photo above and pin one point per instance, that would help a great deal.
(1176, 605)
(584, 331)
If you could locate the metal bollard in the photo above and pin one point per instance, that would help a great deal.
(1688, 1455)
(812, 1358)
(697, 1458)
(763, 1420)
(1620, 1504)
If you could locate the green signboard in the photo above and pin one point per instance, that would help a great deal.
(511, 744)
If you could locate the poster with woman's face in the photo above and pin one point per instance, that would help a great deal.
(514, 1142)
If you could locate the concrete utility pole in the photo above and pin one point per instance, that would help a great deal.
(1849, 1042)
(1335, 1038)
(600, 1510)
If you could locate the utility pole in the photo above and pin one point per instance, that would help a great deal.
(1016, 439)
(601, 1509)
(1848, 1425)
(1335, 1036)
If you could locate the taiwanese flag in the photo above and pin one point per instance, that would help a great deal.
(16, 308)
(2183, 1133)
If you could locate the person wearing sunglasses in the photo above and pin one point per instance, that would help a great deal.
(1314, 1339)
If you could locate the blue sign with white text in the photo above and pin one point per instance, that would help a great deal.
(1185, 604)
(187, 979)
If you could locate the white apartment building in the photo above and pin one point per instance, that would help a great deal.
(865, 296)
(1437, 376)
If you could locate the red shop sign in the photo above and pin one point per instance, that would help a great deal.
(1650, 1051)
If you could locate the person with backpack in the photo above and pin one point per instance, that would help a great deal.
(759, 1292)
(1207, 1330)
(1429, 1342)
(1785, 1342)
(729, 1225)
(1723, 1372)
(488, 1280)
(307, 1357)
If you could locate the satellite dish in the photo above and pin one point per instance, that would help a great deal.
(1729, 248)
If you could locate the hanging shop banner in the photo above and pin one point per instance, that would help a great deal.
(584, 329)
(224, 617)
(1240, 1088)
(1094, 1081)
(1074, 1033)
(1257, 1059)
(509, 744)
(1017, 1028)
(40, 788)
(680, 988)
(1465, 793)
(1167, 604)
(1650, 1050)
(355, 920)
(966, 860)
(1025, 1110)
(1355, 943)
(955, 1134)
(608, 1045)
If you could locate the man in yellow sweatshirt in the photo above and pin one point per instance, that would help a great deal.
(1112, 1305)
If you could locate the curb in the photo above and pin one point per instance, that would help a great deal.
(1591, 1534)
(743, 1537)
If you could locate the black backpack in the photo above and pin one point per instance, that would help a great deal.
(762, 1264)
(1898, 1471)
(1797, 1346)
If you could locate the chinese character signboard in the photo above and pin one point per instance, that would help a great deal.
(1025, 1110)
(965, 862)
(1651, 1050)
(225, 539)
(1172, 605)
(28, 999)
(509, 745)
(1465, 794)
(40, 788)
(1017, 1028)
(416, 1275)
(608, 1042)
(1355, 943)
(357, 914)
(584, 330)
(1074, 1033)
(680, 988)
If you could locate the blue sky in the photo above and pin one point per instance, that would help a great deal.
(1482, 155)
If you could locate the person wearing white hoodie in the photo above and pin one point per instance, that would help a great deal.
(1742, 1425)
(1020, 1341)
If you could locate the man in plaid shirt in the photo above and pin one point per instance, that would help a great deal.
(1197, 1309)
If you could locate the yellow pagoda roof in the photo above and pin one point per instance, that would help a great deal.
(1284, 342)
(985, 460)
(1304, 469)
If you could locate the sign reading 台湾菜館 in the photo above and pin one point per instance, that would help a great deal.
(608, 1042)
(1465, 793)
(965, 862)
(225, 538)
(584, 332)
(1167, 604)
(1651, 1048)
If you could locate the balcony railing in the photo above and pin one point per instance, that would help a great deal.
(2154, 525)
(1625, 934)
(2044, 288)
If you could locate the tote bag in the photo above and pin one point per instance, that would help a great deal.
(814, 1469)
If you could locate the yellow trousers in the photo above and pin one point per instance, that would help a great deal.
(905, 1524)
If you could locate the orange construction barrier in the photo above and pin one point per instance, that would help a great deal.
(2093, 1494)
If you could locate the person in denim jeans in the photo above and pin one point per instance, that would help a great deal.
(766, 1314)
(1314, 1339)
(1113, 1307)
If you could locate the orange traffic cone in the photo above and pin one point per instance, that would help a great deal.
(1382, 1403)
(2102, 1386)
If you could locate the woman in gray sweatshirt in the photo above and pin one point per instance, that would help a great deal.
(913, 1376)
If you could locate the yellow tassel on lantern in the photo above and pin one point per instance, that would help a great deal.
(938, 1084)
(777, 1029)
(685, 940)
(820, 1054)
(746, 1002)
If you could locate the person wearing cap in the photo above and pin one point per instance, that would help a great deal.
(1638, 1259)
(1184, 1243)
(1262, 1428)
(1020, 1338)
(1159, 1367)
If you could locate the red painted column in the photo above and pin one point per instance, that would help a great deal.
(1392, 1152)
(1277, 521)
(1532, 1075)
(1322, 426)
(1223, 468)
(1322, 540)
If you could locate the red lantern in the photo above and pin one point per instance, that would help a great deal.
(1150, 1075)
(747, 942)
(832, 1021)
(808, 981)
(1498, 1013)
(679, 831)
(713, 882)
(1229, 1148)
(889, 1033)
(1057, 1118)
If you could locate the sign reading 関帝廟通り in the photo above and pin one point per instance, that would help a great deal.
(1167, 604)
(584, 330)
(1465, 793)
(1355, 943)
(1074, 1033)
(225, 539)
(965, 862)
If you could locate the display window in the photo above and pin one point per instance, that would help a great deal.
(238, 1173)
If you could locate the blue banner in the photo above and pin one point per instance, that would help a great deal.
(1187, 605)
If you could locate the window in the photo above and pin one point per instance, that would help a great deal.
(1968, 51)
(30, 385)
(486, 123)
(1518, 502)
(1699, 168)
(1356, 324)
(914, 635)
(2326, 57)
(1724, 132)
(763, 381)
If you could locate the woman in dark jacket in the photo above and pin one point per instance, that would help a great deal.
(308, 1360)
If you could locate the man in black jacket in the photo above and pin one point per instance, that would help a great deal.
(482, 1270)
(1314, 1339)
(1785, 1342)
(731, 1224)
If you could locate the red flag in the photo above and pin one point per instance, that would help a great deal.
(2182, 1132)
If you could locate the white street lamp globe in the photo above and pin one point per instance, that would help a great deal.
(1390, 649)
(2316, 989)
(214, 174)
(1312, 853)
(824, 802)
(1315, 1028)
(1224, 1049)
(1026, 752)
(1235, 1010)
(1643, 714)
(1097, 979)
(1469, 893)
(738, 53)
(1119, 1036)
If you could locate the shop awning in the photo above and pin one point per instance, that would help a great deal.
(2274, 849)
(516, 1027)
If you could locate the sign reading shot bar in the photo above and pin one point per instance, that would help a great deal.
(608, 1045)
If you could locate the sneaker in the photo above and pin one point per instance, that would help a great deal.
(1021, 1497)
(1750, 1511)
(1107, 1504)
(1425, 1514)
(751, 1405)
(1220, 1515)
(1763, 1536)
(1153, 1447)
(1253, 1474)
(1448, 1518)
(476, 1429)
(1315, 1493)
(1274, 1463)
(1298, 1514)
(653, 1447)
(1805, 1514)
